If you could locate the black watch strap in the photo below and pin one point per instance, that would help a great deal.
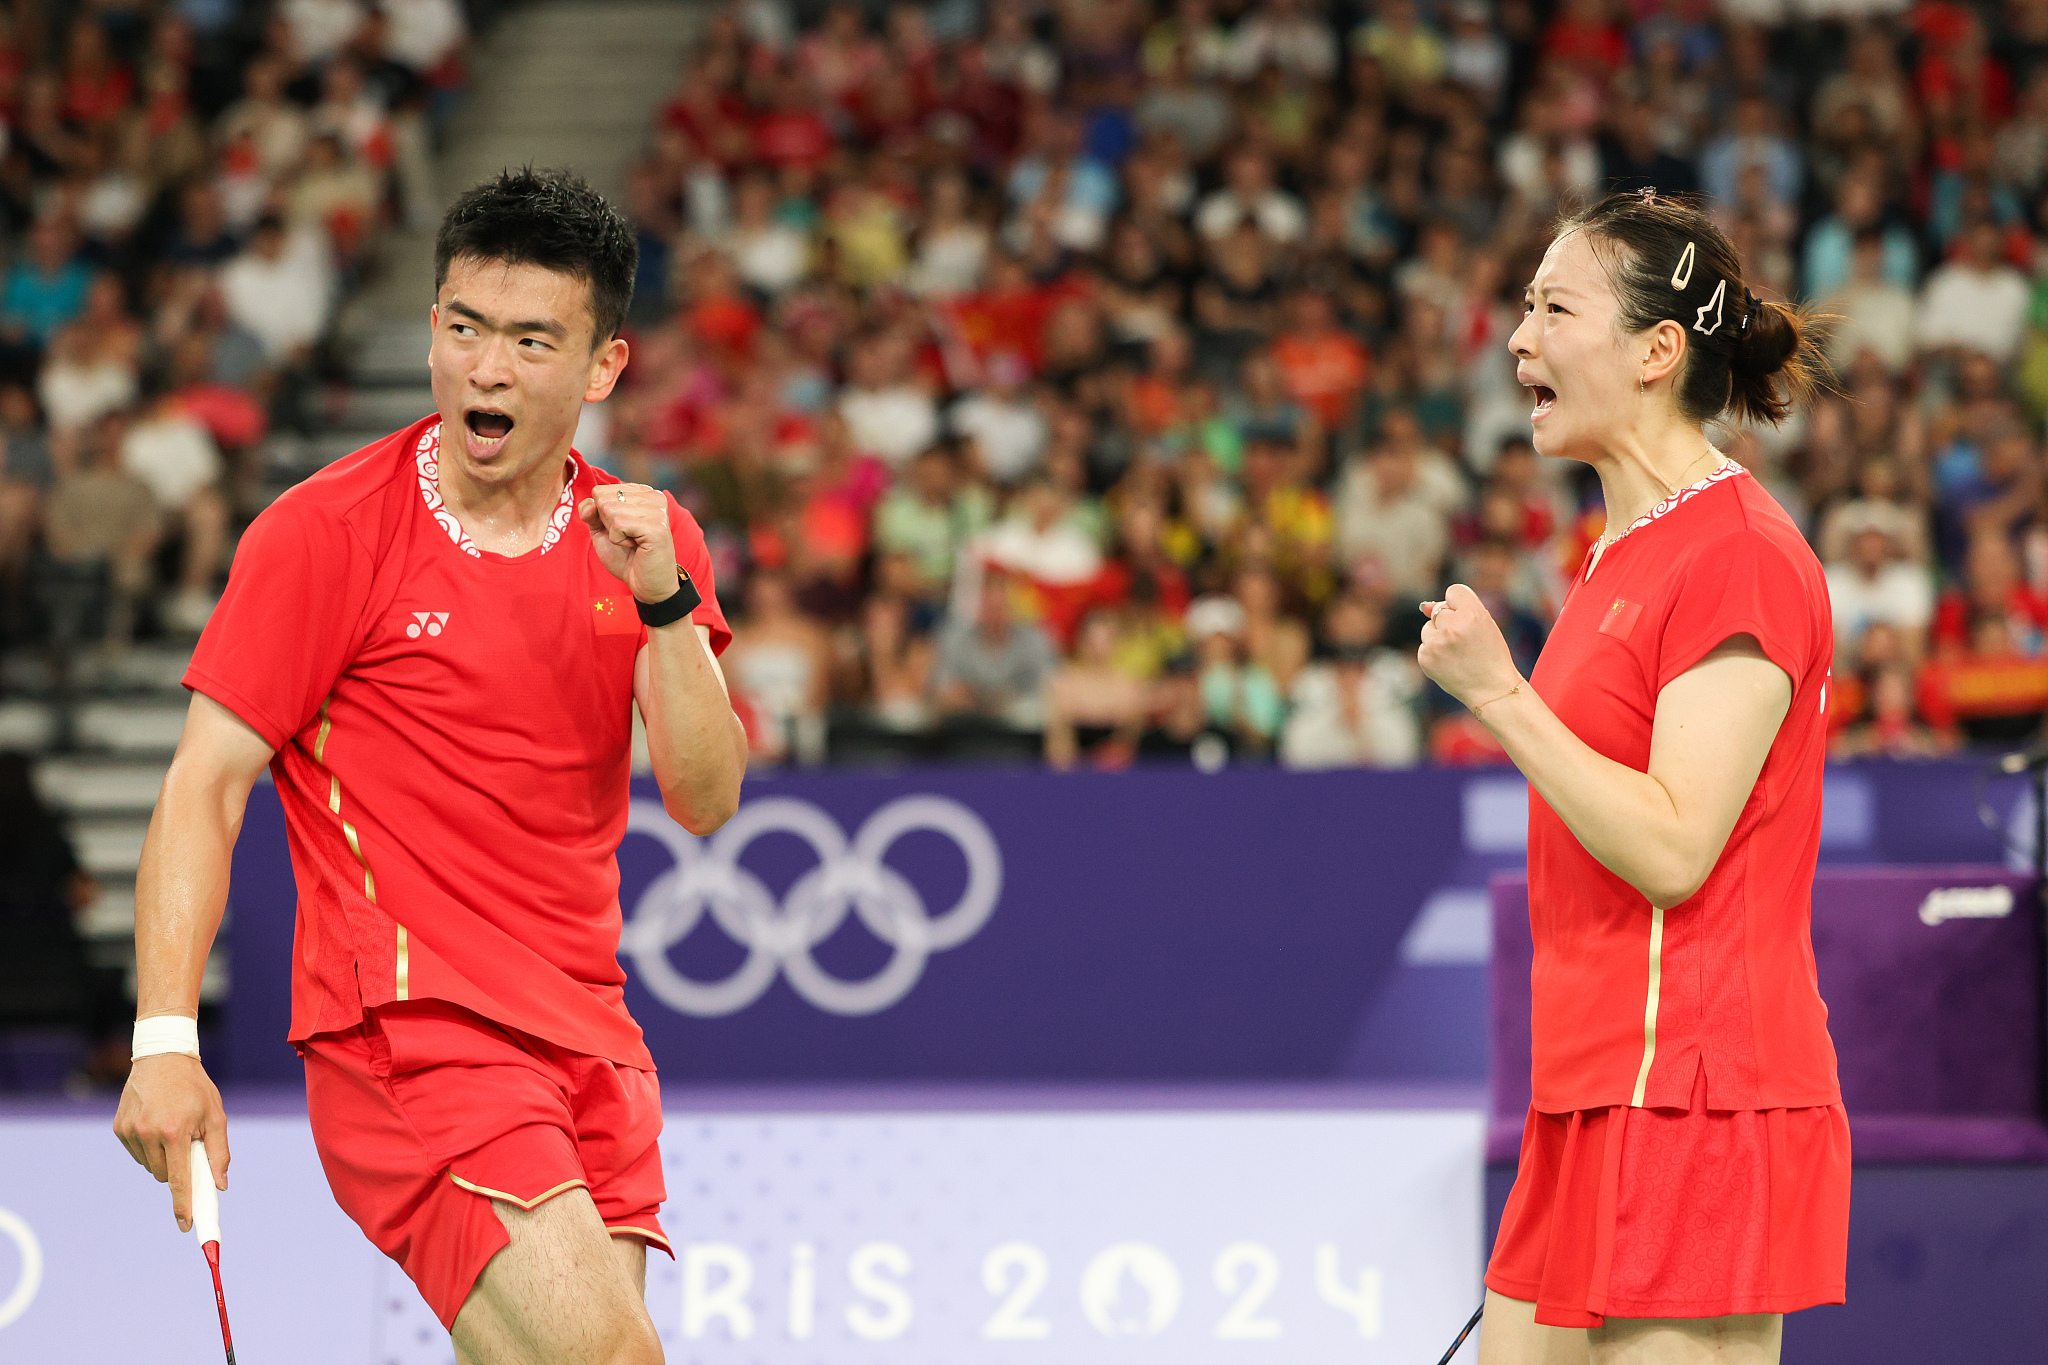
(673, 608)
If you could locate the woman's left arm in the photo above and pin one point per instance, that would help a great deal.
(1660, 831)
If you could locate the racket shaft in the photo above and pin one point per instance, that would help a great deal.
(220, 1300)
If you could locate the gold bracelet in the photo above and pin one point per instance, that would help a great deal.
(1502, 697)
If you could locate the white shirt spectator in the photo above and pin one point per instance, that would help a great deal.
(1009, 433)
(1277, 214)
(1299, 44)
(281, 289)
(421, 33)
(1981, 309)
(1878, 317)
(321, 28)
(893, 423)
(950, 262)
(771, 257)
(1393, 519)
(172, 454)
(1897, 595)
(1379, 730)
(76, 395)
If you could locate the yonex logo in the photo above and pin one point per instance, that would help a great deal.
(428, 621)
(851, 877)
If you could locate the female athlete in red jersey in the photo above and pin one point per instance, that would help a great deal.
(1684, 1177)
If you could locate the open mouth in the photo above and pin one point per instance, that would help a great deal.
(1545, 398)
(488, 426)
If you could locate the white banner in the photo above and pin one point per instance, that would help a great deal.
(865, 1238)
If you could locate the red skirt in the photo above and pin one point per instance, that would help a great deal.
(1666, 1213)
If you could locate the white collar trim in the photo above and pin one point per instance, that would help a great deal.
(1684, 495)
(427, 460)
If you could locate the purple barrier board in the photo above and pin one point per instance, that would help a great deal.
(1027, 926)
(1932, 976)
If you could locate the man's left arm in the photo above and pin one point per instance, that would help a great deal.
(696, 742)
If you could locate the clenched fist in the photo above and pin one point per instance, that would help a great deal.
(629, 529)
(1463, 651)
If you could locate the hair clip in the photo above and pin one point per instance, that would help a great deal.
(1648, 194)
(1682, 276)
(1712, 305)
(1749, 310)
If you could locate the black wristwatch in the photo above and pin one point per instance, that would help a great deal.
(673, 608)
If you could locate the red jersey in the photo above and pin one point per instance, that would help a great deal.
(453, 732)
(1629, 1004)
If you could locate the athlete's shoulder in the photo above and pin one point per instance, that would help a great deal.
(370, 476)
(1752, 511)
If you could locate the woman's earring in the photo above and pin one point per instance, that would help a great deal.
(1641, 387)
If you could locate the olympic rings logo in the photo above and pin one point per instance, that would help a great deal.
(850, 878)
(16, 1229)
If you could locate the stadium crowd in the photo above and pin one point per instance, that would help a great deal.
(1100, 379)
(187, 187)
(1114, 378)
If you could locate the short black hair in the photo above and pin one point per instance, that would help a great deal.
(548, 218)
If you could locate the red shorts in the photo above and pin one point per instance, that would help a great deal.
(425, 1112)
(1666, 1213)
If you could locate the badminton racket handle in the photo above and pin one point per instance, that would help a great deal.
(205, 1198)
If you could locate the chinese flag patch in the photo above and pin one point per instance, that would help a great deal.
(1620, 618)
(614, 616)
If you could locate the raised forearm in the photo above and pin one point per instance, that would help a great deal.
(698, 747)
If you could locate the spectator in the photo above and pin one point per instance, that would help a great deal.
(91, 368)
(1324, 367)
(172, 454)
(1285, 35)
(280, 289)
(780, 662)
(991, 666)
(1976, 301)
(101, 528)
(1003, 421)
(1239, 695)
(1393, 511)
(887, 410)
(1180, 103)
(899, 664)
(768, 253)
(1094, 711)
(1356, 707)
(1877, 314)
(1875, 582)
(929, 517)
(45, 288)
(1831, 243)
(1753, 140)
(952, 245)
(1408, 50)
(1248, 196)
(1893, 730)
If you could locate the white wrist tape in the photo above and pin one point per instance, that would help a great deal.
(165, 1033)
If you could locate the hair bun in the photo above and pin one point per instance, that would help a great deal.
(1767, 339)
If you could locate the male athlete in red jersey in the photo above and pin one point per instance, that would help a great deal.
(1684, 1178)
(439, 665)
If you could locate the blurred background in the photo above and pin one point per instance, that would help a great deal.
(1078, 398)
